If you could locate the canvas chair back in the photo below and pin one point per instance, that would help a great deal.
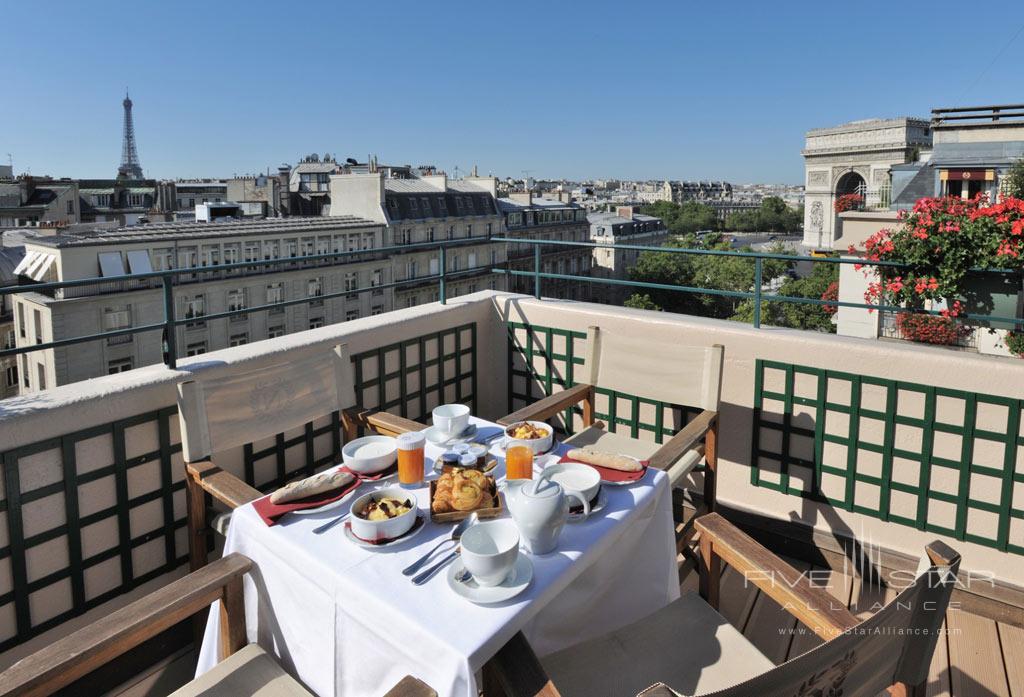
(894, 645)
(227, 411)
(659, 370)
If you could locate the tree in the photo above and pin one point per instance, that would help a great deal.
(683, 218)
(773, 216)
(1015, 179)
(797, 315)
(641, 302)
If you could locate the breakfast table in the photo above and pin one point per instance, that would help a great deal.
(345, 621)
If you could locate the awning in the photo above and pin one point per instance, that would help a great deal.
(39, 266)
(967, 175)
(26, 261)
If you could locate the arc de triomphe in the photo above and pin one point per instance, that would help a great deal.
(854, 158)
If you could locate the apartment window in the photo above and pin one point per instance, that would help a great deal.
(411, 301)
(376, 310)
(252, 251)
(469, 205)
(426, 206)
(455, 262)
(275, 331)
(368, 241)
(9, 341)
(323, 245)
(458, 204)
(192, 203)
(71, 207)
(353, 243)
(414, 205)
(187, 257)
(240, 339)
(351, 283)
(21, 322)
(315, 289)
(275, 294)
(12, 376)
(494, 256)
(37, 318)
(515, 219)
(195, 308)
(212, 256)
(305, 179)
(316, 322)
(472, 261)
(393, 204)
(433, 266)
(115, 318)
(237, 301)
(451, 232)
(406, 236)
(102, 200)
(291, 248)
(40, 376)
(430, 233)
(488, 229)
(351, 315)
(231, 253)
(163, 259)
(24, 371)
(376, 279)
(308, 246)
(442, 205)
(469, 231)
(196, 348)
(411, 270)
(119, 365)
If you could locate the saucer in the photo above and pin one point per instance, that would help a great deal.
(411, 533)
(516, 583)
(439, 437)
(596, 507)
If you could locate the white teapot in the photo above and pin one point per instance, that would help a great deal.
(540, 508)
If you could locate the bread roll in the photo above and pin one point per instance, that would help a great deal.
(311, 486)
(602, 459)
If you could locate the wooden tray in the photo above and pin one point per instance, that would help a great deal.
(456, 516)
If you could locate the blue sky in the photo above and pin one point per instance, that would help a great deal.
(674, 89)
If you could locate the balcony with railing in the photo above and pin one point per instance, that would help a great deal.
(844, 454)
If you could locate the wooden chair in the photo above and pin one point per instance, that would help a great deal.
(246, 670)
(689, 649)
(228, 411)
(687, 375)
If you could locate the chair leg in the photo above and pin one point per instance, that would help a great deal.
(710, 572)
(711, 468)
(195, 506)
(588, 409)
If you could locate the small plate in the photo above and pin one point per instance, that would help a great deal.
(439, 437)
(516, 583)
(413, 532)
(597, 507)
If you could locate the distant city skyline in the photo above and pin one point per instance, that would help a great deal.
(665, 91)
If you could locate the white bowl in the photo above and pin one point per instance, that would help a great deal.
(370, 454)
(389, 529)
(537, 445)
(490, 550)
(575, 477)
(451, 419)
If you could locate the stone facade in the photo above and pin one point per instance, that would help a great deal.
(853, 158)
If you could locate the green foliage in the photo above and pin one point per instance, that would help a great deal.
(773, 216)
(641, 302)
(1015, 179)
(683, 218)
(701, 271)
(797, 315)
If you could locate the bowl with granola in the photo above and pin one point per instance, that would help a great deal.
(535, 435)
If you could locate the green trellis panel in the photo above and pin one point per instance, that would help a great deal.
(774, 468)
(459, 378)
(559, 371)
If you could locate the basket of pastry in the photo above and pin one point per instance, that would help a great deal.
(459, 492)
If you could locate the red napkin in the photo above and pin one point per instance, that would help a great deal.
(610, 475)
(271, 513)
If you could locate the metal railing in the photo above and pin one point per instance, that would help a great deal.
(167, 282)
(757, 292)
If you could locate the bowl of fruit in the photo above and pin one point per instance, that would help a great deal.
(535, 435)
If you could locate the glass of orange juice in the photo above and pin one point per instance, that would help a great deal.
(410, 459)
(519, 462)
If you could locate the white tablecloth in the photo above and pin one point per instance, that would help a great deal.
(346, 622)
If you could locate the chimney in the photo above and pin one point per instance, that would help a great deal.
(525, 197)
(624, 212)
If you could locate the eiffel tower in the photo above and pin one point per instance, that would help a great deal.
(130, 167)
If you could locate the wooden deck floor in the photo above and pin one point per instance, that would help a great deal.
(979, 657)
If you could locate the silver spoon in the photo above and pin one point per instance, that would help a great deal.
(456, 535)
(331, 523)
(425, 576)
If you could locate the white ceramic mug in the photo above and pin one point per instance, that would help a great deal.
(489, 550)
(451, 418)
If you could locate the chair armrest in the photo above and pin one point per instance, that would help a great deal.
(549, 406)
(812, 605)
(221, 485)
(516, 672)
(382, 422)
(687, 437)
(411, 687)
(81, 652)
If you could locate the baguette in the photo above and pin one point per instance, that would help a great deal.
(602, 459)
(311, 486)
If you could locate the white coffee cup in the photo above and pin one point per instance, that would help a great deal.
(451, 418)
(489, 550)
